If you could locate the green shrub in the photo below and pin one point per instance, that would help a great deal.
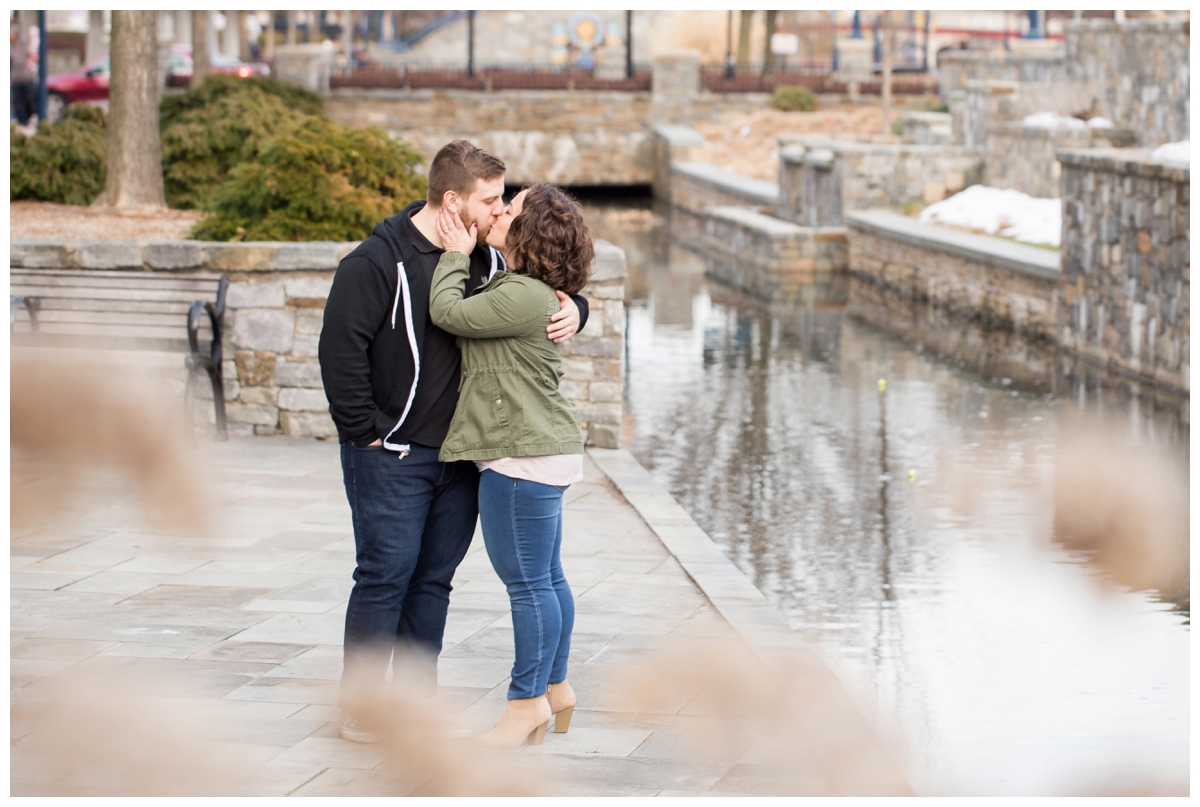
(317, 181)
(220, 124)
(258, 155)
(63, 162)
(794, 99)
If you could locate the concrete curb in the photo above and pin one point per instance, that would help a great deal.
(738, 600)
(858, 760)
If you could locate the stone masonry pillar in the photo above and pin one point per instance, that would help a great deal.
(675, 84)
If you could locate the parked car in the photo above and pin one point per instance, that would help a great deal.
(179, 70)
(89, 83)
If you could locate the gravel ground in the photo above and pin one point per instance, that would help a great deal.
(747, 143)
(71, 222)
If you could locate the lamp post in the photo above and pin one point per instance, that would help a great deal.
(628, 44)
(43, 54)
(728, 45)
(1036, 25)
(470, 43)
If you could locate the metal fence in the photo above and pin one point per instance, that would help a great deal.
(493, 77)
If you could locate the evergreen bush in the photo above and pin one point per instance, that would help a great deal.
(794, 99)
(315, 181)
(62, 162)
(258, 155)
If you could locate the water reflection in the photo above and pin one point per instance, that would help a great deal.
(906, 532)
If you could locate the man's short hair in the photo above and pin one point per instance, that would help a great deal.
(457, 166)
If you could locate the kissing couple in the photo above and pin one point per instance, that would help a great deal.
(440, 358)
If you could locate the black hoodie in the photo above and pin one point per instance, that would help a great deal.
(376, 333)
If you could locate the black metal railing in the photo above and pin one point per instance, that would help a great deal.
(495, 77)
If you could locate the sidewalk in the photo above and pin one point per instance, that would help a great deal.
(244, 626)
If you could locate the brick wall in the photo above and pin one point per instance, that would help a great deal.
(1126, 262)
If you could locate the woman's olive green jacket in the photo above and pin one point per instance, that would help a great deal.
(508, 400)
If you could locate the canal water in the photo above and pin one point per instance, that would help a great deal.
(887, 477)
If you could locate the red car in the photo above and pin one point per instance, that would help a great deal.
(89, 83)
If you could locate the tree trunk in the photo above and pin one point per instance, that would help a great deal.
(743, 51)
(887, 72)
(768, 55)
(201, 58)
(135, 179)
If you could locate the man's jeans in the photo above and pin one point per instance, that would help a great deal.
(522, 531)
(413, 522)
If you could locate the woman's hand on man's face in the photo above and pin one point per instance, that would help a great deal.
(455, 237)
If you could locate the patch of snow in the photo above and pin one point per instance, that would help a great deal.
(1052, 120)
(1099, 123)
(1000, 211)
(1180, 152)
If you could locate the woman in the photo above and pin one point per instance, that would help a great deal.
(520, 430)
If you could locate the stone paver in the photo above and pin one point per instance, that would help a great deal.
(242, 625)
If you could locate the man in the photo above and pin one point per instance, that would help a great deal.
(391, 378)
(23, 86)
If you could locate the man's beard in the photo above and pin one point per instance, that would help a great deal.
(481, 235)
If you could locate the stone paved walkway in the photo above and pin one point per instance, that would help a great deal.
(244, 625)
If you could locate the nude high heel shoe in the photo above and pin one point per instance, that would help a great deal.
(524, 718)
(562, 705)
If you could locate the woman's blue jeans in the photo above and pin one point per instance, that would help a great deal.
(522, 531)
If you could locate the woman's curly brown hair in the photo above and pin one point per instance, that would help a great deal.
(551, 240)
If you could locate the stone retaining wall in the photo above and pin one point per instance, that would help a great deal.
(565, 137)
(771, 259)
(925, 128)
(1127, 262)
(672, 144)
(699, 186)
(820, 178)
(274, 312)
(1140, 71)
(1136, 73)
(999, 281)
(1025, 159)
(957, 67)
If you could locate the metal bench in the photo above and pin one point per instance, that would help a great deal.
(126, 311)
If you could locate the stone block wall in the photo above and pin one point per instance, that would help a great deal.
(593, 369)
(274, 312)
(1126, 262)
(771, 259)
(925, 128)
(1136, 73)
(998, 281)
(672, 144)
(676, 83)
(1140, 71)
(1024, 159)
(561, 136)
(957, 67)
(819, 178)
(699, 186)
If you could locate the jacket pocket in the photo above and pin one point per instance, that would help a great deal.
(482, 418)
